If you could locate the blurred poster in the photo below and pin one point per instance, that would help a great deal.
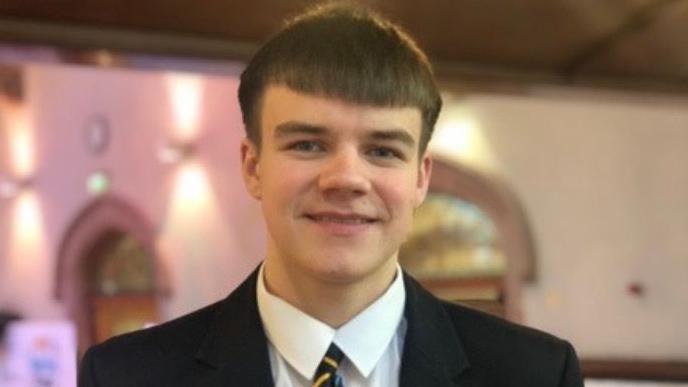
(41, 354)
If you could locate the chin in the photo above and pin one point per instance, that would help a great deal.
(348, 270)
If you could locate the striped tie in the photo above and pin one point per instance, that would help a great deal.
(326, 375)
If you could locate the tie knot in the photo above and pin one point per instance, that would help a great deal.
(326, 375)
(333, 356)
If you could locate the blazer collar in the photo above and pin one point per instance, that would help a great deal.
(433, 354)
(236, 345)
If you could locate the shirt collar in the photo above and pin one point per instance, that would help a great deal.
(303, 340)
(365, 338)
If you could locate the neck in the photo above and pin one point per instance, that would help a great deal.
(332, 302)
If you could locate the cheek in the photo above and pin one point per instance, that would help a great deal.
(284, 188)
(400, 196)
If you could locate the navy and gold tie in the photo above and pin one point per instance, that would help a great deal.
(326, 375)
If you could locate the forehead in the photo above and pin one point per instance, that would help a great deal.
(282, 104)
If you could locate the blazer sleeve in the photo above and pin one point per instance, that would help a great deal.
(571, 375)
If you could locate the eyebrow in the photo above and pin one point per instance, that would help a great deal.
(394, 135)
(294, 127)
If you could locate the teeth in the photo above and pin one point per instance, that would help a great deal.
(340, 220)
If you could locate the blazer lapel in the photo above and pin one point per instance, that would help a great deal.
(433, 354)
(236, 345)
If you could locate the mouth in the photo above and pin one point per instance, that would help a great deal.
(341, 225)
(346, 219)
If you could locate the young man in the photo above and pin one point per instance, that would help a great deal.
(338, 109)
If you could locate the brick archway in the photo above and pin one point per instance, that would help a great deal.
(496, 199)
(103, 215)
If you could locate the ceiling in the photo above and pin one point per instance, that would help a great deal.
(636, 44)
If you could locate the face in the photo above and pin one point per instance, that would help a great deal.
(338, 183)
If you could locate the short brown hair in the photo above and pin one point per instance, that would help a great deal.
(342, 51)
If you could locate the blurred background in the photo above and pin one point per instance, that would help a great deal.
(559, 198)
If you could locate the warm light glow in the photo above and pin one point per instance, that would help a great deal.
(29, 270)
(27, 225)
(462, 135)
(194, 220)
(186, 93)
(27, 241)
(21, 143)
(104, 58)
(192, 188)
(459, 137)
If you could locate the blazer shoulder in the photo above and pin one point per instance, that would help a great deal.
(179, 332)
(472, 320)
(492, 343)
(148, 353)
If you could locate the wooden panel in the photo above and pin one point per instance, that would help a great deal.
(659, 51)
(228, 19)
(11, 86)
(539, 33)
(485, 294)
(121, 314)
(635, 370)
(619, 43)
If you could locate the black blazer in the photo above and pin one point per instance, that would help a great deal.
(224, 345)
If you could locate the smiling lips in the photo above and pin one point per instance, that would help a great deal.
(340, 224)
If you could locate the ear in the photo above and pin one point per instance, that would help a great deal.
(250, 168)
(424, 171)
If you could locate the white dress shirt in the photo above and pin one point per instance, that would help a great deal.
(372, 341)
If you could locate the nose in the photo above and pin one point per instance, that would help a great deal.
(344, 175)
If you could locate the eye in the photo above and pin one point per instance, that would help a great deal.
(385, 153)
(306, 146)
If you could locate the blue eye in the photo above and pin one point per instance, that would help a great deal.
(383, 153)
(306, 146)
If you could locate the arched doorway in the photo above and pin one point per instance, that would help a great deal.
(109, 275)
(120, 283)
(471, 242)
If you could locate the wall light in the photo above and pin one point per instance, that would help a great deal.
(21, 141)
(186, 95)
(172, 153)
(460, 136)
(28, 247)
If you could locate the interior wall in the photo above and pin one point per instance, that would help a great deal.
(603, 181)
(210, 236)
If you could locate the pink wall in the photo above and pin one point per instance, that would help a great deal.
(602, 178)
(210, 242)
